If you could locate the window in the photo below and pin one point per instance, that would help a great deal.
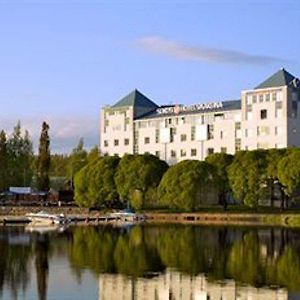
(172, 133)
(193, 133)
(237, 145)
(182, 153)
(267, 97)
(274, 96)
(157, 136)
(106, 122)
(263, 114)
(193, 152)
(246, 132)
(147, 140)
(249, 99)
(210, 132)
(173, 153)
(116, 142)
(183, 137)
(126, 142)
(223, 150)
(157, 153)
(261, 98)
(254, 99)
(105, 143)
(263, 130)
(221, 134)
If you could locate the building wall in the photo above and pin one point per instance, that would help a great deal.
(154, 135)
(116, 131)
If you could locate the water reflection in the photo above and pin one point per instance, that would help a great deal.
(161, 262)
(175, 285)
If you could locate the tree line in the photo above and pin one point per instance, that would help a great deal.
(249, 178)
(21, 167)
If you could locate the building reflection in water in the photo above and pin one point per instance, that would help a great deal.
(176, 286)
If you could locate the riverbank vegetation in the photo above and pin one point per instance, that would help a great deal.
(247, 179)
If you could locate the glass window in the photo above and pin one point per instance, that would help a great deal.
(183, 137)
(157, 153)
(116, 142)
(173, 153)
(193, 133)
(193, 152)
(157, 136)
(182, 153)
(254, 99)
(210, 134)
(263, 114)
(147, 140)
(261, 98)
(126, 142)
(267, 97)
(105, 143)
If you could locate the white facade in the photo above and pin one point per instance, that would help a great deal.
(265, 117)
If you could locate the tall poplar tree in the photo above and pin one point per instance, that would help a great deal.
(43, 159)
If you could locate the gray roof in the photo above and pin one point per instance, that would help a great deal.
(226, 106)
(280, 78)
(141, 104)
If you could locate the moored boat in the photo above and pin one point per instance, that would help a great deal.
(46, 218)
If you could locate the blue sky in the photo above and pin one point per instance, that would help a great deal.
(61, 61)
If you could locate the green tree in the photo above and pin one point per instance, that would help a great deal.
(186, 185)
(248, 176)
(136, 176)
(81, 184)
(3, 162)
(274, 156)
(289, 172)
(221, 162)
(43, 159)
(93, 154)
(20, 158)
(78, 159)
(95, 184)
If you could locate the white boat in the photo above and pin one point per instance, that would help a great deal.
(43, 218)
(127, 216)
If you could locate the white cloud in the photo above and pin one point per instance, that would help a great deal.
(65, 132)
(160, 45)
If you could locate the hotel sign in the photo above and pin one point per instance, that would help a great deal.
(177, 109)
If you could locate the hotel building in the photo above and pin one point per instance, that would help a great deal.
(267, 116)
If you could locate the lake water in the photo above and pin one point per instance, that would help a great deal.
(150, 262)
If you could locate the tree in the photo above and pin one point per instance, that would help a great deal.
(3, 162)
(20, 158)
(274, 156)
(221, 162)
(186, 185)
(248, 176)
(43, 159)
(95, 184)
(136, 176)
(78, 159)
(289, 172)
(93, 154)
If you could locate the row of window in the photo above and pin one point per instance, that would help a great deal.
(267, 97)
(116, 142)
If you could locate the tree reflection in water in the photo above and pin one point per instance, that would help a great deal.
(258, 257)
(253, 256)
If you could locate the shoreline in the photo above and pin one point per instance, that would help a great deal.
(16, 215)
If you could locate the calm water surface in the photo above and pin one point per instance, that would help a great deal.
(150, 262)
